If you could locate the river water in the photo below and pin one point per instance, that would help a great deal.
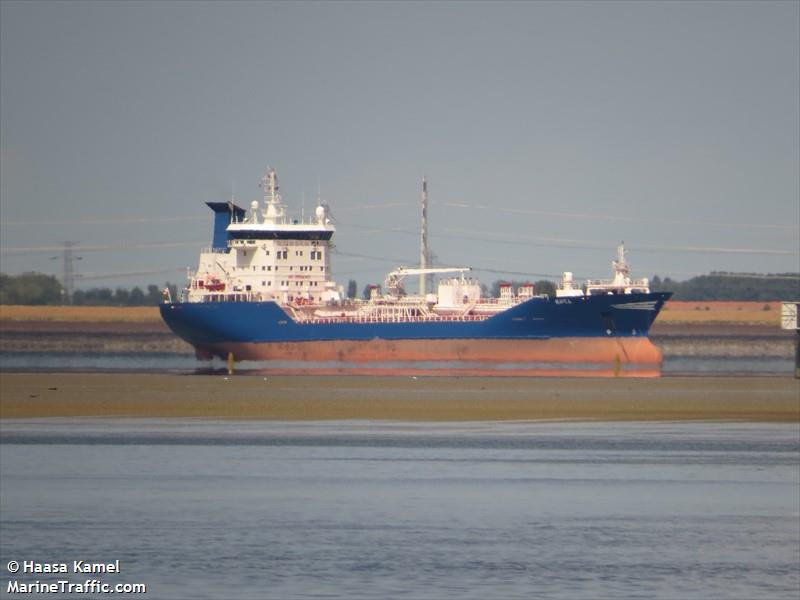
(207, 509)
(187, 363)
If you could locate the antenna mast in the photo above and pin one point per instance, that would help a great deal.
(423, 238)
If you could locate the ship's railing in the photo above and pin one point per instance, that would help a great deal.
(233, 297)
(599, 286)
(500, 301)
(374, 319)
(612, 283)
(600, 282)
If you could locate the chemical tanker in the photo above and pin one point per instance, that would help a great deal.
(263, 292)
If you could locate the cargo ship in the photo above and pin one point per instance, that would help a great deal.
(263, 292)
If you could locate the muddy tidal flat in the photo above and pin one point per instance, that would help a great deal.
(767, 399)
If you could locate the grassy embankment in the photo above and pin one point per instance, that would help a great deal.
(741, 313)
(88, 314)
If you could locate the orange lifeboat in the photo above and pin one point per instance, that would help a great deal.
(215, 285)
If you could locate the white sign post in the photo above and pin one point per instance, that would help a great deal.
(789, 320)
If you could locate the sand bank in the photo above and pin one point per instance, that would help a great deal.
(397, 398)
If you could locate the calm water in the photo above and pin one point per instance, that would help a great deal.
(199, 509)
(184, 363)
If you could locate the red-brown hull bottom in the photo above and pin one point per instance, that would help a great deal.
(555, 357)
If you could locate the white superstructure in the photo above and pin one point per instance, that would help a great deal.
(268, 256)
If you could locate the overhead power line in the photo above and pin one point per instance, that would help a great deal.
(539, 241)
(611, 217)
(97, 248)
(113, 221)
(125, 275)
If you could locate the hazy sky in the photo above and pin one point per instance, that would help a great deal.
(548, 132)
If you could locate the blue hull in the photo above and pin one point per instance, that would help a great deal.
(215, 323)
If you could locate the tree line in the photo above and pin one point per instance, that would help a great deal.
(41, 289)
(732, 286)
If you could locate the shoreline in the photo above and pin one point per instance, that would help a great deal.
(322, 398)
